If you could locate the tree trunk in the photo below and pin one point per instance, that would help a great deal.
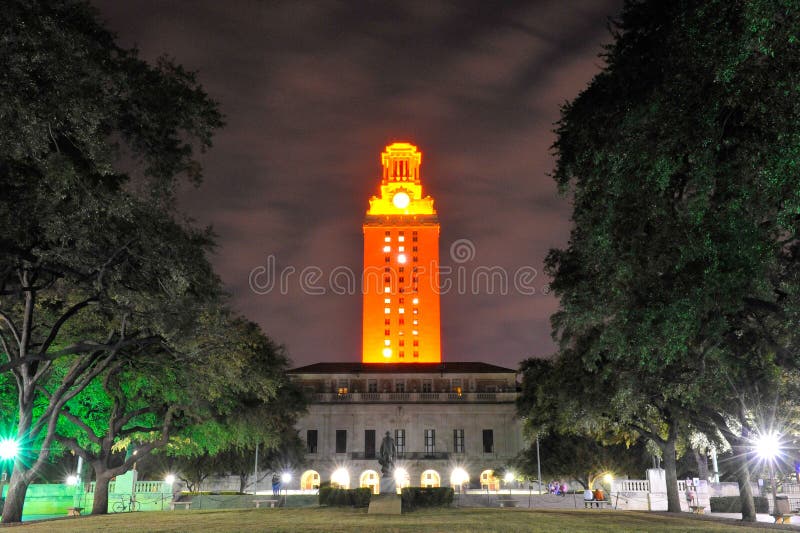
(100, 505)
(671, 473)
(242, 483)
(15, 496)
(702, 464)
(743, 478)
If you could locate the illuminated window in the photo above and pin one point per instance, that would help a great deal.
(415, 332)
(401, 238)
(387, 352)
(387, 342)
(387, 249)
(416, 311)
(415, 301)
(399, 249)
(387, 300)
(386, 310)
(387, 289)
(401, 310)
(387, 239)
(415, 321)
(401, 258)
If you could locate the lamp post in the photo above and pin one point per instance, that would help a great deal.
(8, 453)
(768, 447)
(286, 477)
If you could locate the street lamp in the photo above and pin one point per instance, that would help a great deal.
(169, 479)
(9, 448)
(508, 478)
(768, 448)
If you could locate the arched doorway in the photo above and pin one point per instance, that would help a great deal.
(401, 479)
(340, 478)
(309, 480)
(430, 479)
(369, 480)
(489, 481)
(459, 479)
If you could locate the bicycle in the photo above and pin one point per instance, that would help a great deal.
(123, 506)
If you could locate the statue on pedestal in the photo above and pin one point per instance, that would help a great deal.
(387, 455)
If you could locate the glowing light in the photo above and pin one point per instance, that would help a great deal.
(459, 476)
(387, 239)
(72, 480)
(415, 332)
(401, 258)
(401, 248)
(387, 300)
(608, 478)
(401, 238)
(387, 352)
(386, 310)
(401, 200)
(387, 342)
(415, 301)
(387, 249)
(8, 449)
(170, 479)
(401, 310)
(509, 477)
(387, 289)
(286, 477)
(341, 477)
(768, 445)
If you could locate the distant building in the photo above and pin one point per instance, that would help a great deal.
(453, 423)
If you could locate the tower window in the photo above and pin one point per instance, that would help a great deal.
(415, 301)
(387, 289)
(399, 249)
(387, 321)
(416, 311)
(387, 279)
(401, 354)
(386, 259)
(388, 233)
(414, 239)
(387, 249)
(401, 269)
(387, 342)
(401, 342)
(401, 310)
(416, 353)
(386, 310)
(415, 258)
(402, 300)
(401, 238)
(387, 332)
(416, 342)
(401, 321)
(401, 279)
(414, 249)
(387, 300)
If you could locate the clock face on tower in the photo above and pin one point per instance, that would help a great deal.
(400, 200)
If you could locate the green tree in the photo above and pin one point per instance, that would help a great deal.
(79, 236)
(214, 400)
(681, 158)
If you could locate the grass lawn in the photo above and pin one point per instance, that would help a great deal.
(428, 521)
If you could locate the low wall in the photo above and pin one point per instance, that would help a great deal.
(245, 501)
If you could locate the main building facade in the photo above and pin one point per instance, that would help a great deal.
(453, 423)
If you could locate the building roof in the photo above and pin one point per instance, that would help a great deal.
(401, 368)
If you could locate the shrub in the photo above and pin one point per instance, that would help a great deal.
(335, 497)
(732, 504)
(414, 497)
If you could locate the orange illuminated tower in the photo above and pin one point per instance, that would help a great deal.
(401, 266)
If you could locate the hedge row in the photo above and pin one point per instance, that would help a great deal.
(732, 504)
(414, 497)
(344, 497)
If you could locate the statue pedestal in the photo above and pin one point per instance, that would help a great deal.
(387, 485)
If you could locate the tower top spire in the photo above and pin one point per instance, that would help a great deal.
(401, 188)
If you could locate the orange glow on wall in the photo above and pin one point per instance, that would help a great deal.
(401, 266)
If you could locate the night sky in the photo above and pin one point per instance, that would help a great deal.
(313, 91)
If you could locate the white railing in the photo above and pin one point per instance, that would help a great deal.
(139, 487)
(410, 397)
(632, 485)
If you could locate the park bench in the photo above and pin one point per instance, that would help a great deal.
(507, 502)
(74, 511)
(186, 505)
(698, 509)
(591, 504)
(270, 502)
